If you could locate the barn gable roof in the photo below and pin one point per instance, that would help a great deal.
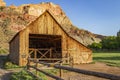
(54, 20)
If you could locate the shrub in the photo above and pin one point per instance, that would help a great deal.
(3, 51)
(10, 65)
(2, 8)
(23, 75)
(95, 46)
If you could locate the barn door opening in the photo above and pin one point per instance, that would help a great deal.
(45, 47)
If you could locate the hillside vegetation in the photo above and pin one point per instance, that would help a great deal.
(11, 22)
(110, 43)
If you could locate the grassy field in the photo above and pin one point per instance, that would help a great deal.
(112, 59)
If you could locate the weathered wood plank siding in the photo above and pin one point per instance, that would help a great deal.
(24, 47)
(80, 53)
(14, 50)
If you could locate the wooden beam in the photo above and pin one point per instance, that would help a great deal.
(92, 73)
(55, 39)
(39, 48)
(46, 73)
(44, 54)
(45, 36)
(32, 59)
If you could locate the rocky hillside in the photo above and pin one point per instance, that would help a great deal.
(14, 18)
(2, 3)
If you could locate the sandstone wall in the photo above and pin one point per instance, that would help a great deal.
(2, 3)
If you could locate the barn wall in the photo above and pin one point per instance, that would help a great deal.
(80, 53)
(24, 47)
(14, 50)
(45, 24)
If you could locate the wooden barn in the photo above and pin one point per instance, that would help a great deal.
(45, 39)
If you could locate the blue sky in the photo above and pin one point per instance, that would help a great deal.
(97, 16)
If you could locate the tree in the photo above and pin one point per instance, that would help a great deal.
(110, 43)
(118, 39)
(118, 33)
(95, 46)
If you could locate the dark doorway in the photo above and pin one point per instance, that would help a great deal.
(45, 46)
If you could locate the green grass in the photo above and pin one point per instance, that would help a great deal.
(7, 64)
(111, 59)
(23, 75)
(3, 51)
(52, 71)
(10, 65)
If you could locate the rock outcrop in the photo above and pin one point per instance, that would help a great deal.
(2, 3)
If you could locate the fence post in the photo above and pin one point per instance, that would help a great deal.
(28, 63)
(71, 61)
(36, 67)
(50, 52)
(60, 70)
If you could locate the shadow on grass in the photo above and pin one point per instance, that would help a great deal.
(3, 58)
(6, 76)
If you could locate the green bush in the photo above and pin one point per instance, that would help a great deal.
(2, 8)
(10, 65)
(3, 51)
(52, 71)
(43, 76)
(95, 46)
(23, 75)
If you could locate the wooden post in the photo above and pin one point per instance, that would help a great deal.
(35, 54)
(36, 67)
(50, 52)
(68, 56)
(71, 61)
(60, 71)
(28, 63)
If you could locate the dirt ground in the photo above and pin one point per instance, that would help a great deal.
(98, 67)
